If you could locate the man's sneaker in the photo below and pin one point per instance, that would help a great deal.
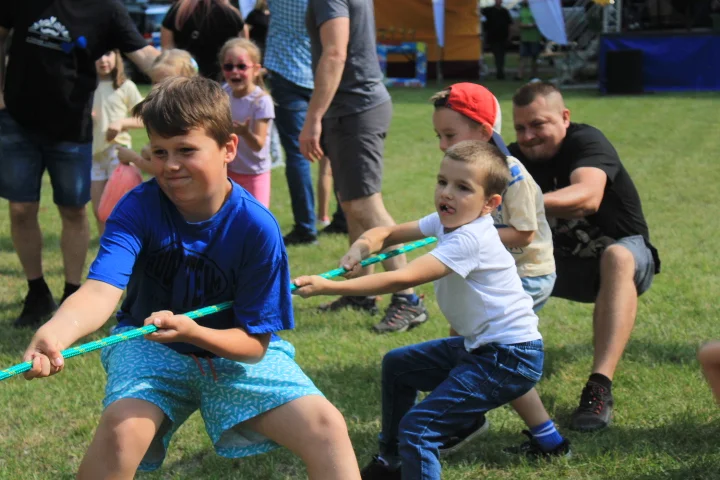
(377, 469)
(37, 309)
(595, 410)
(531, 449)
(401, 316)
(334, 229)
(296, 237)
(463, 437)
(367, 304)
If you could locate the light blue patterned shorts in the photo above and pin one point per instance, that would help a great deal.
(226, 392)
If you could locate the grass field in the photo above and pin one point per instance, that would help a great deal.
(666, 424)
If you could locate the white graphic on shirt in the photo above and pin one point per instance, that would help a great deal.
(50, 33)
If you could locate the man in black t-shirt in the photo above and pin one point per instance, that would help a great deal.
(46, 123)
(497, 34)
(602, 244)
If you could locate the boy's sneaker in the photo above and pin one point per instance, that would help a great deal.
(463, 437)
(531, 449)
(401, 316)
(296, 237)
(367, 304)
(377, 469)
(37, 309)
(595, 410)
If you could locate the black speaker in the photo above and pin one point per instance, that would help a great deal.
(624, 71)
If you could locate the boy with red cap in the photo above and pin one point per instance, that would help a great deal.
(467, 111)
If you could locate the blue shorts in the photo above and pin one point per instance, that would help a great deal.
(226, 392)
(539, 288)
(530, 49)
(24, 156)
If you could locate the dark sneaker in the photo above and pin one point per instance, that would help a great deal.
(296, 237)
(463, 437)
(334, 229)
(378, 469)
(37, 309)
(401, 316)
(531, 449)
(367, 304)
(595, 410)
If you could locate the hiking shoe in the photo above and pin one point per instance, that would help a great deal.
(296, 237)
(595, 410)
(378, 469)
(367, 304)
(401, 316)
(334, 228)
(37, 309)
(465, 436)
(531, 449)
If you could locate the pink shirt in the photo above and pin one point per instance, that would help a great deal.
(256, 105)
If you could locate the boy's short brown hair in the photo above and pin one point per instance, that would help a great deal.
(180, 104)
(492, 162)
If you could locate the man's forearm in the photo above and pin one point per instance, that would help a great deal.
(568, 203)
(327, 79)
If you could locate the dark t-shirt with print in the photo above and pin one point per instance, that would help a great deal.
(204, 33)
(51, 73)
(620, 213)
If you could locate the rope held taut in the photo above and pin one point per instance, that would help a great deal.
(147, 329)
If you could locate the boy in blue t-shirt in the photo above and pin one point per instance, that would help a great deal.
(186, 239)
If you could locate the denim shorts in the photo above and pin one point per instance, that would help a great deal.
(24, 157)
(226, 392)
(530, 49)
(578, 279)
(539, 288)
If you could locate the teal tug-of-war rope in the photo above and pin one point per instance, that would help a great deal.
(138, 332)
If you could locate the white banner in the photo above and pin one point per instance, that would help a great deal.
(549, 19)
(439, 16)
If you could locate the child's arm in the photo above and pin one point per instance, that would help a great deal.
(422, 270)
(82, 313)
(122, 125)
(256, 137)
(377, 239)
(233, 343)
(514, 238)
(128, 156)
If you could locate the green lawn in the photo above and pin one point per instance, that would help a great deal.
(666, 424)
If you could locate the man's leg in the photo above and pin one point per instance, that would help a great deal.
(27, 237)
(74, 242)
(292, 104)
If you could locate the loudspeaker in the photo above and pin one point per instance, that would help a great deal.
(624, 71)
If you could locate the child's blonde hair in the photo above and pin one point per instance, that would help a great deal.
(180, 62)
(118, 73)
(255, 55)
(490, 160)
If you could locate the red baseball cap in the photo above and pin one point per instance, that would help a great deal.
(475, 102)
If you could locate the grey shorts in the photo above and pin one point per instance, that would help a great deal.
(578, 279)
(355, 145)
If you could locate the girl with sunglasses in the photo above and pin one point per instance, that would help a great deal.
(252, 112)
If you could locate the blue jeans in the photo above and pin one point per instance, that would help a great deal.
(24, 157)
(463, 385)
(291, 104)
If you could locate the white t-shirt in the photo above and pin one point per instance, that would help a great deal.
(483, 299)
(110, 105)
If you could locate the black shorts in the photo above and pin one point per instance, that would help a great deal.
(355, 145)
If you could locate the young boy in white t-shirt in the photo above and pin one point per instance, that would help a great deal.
(499, 354)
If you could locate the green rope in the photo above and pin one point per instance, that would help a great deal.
(147, 329)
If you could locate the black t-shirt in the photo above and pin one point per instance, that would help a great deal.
(51, 77)
(258, 19)
(203, 35)
(620, 213)
(497, 24)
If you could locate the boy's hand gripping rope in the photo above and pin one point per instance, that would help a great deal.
(147, 329)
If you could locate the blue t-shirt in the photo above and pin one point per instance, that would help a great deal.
(167, 263)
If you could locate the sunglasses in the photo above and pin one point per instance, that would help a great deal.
(229, 67)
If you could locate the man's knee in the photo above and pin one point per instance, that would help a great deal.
(367, 211)
(617, 262)
(73, 214)
(23, 212)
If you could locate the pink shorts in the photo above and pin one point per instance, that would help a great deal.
(257, 185)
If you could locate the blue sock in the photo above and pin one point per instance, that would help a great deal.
(411, 298)
(547, 436)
